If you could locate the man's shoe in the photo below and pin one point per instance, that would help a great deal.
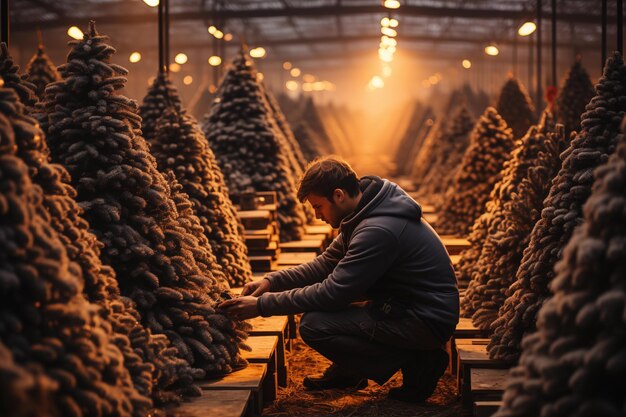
(420, 376)
(334, 377)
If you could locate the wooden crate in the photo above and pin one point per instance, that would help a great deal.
(472, 357)
(262, 263)
(488, 384)
(255, 219)
(264, 351)
(466, 329)
(314, 245)
(274, 326)
(250, 379)
(223, 403)
(270, 250)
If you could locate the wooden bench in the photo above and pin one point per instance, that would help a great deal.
(456, 342)
(488, 384)
(472, 357)
(295, 258)
(486, 408)
(465, 329)
(218, 402)
(313, 245)
(274, 326)
(455, 245)
(264, 351)
(248, 379)
(255, 219)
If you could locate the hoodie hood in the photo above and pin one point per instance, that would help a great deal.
(381, 197)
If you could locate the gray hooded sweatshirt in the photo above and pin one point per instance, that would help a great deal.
(386, 253)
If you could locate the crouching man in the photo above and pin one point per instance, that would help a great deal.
(382, 297)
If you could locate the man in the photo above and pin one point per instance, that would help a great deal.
(385, 254)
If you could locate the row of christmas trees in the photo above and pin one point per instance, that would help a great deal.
(118, 236)
(546, 267)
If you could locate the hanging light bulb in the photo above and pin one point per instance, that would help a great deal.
(188, 80)
(212, 29)
(287, 65)
(228, 37)
(393, 23)
(388, 32)
(257, 52)
(174, 67)
(75, 33)
(384, 22)
(134, 57)
(295, 72)
(467, 64)
(218, 34)
(377, 82)
(180, 58)
(391, 4)
(215, 61)
(492, 50)
(151, 3)
(291, 85)
(308, 78)
(527, 28)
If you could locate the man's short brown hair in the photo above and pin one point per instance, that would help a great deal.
(324, 175)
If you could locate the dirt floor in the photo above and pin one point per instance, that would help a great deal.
(371, 402)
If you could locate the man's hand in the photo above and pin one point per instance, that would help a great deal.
(256, 288)
(240, 308)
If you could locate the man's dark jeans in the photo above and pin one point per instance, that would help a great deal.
(362, 343)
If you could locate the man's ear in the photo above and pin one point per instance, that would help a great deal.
(338, 195)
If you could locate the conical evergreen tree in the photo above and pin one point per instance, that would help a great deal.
(575, 93)
(448, 154)
(95, 133)
(179, 145)
(562, 210)
(516, 107)
(12, 79)
(574, 364)
(490, 146)
(161, 96)
(314, 120)
(308, 140)
(249, 149)
(41, 71)
(45, 321)
(146, 357)
(502, 249)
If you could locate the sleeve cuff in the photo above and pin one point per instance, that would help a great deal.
(259, 307)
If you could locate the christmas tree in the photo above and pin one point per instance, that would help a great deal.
(575, 93)
(516, 107)
(312, 116)
(161, 96)
(179, 145)
(95, 133)
(9, 71)
(574, 363)
(151, 365)
(45, 321)
(309, 141)
(248, 147)
(505, 241)
(448, 154)
(41, 71)
(562, 210)
(490, 146)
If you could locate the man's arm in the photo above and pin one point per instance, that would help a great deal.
(308, 273)
(370, 254)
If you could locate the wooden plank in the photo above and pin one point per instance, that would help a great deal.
(323, 229)
(316, 246)
(465, 328)
(262, 263)
(271, 250)
(274, 326)
(255, 219)
(455, 245)
(268, 232)
(486, 408)
(428, 209)
(476, 355)
(223, 403)
(431, 218)
(472, 341)
(258, 241)
(250, 378)
(488, 381)
(295, 258)
(264, 351)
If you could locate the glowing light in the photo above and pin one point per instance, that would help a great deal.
(218, 34)
(329, 86)
(388, 32)
(527, 29)
(214, 60)
(387, 41)
(75, 33)
(257, 52)
(377, 82)
(212, 30)
(180, 58)
(391, 4)
(433, 79)
(385, 56)
(260, 76)
(307, 87)
(492, 50)
(151, 81)
(212, 89)
(174, 67)
(467, 64)
(295, 72)
(287, 65)
(188, 80)
(384, 22)
(393, 23)
(134, 57)
(387, 71)
(291, 85)
(151, 3)
(308, 78)
(228, 37)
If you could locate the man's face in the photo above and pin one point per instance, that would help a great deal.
(327, 211)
